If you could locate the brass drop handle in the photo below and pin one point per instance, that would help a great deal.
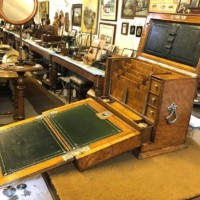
(172, 118)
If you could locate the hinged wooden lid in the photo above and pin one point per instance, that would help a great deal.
(172, 39)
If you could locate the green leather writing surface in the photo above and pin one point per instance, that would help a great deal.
(80, 125)
(27, 144)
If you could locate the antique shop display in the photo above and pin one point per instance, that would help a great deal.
(145, 107)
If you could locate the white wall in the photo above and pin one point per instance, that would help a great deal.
(121, 41)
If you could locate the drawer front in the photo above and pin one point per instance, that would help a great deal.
(153, 100)
(155, 86)
(151, 112)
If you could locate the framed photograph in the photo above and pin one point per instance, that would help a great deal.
(109, 10)
(73, 33)
(138, 31)
(164, 6)
(128, 9)
(89, 16)
(43, 9)
(127, 52)
(184, 6)
(107, 33)
(124, 28)
(141, 8)
(76, 14)
(132, 30)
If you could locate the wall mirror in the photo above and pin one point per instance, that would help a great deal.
(18, 12)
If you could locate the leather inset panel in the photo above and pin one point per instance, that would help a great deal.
(81, 126)
(174, 41)
(186, 46)
(27, 144)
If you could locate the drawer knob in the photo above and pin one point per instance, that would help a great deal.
(153, 99)
(156, 86)
(152, 112)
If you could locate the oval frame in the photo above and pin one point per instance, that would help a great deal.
(19, 22)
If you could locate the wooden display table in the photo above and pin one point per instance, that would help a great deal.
(20, 70)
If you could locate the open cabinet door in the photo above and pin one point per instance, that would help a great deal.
(61, 135)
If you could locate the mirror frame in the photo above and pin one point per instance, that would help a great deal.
(27, 19)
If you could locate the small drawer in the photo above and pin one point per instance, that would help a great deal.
(153, 100)
(151, 112)
(155, 86)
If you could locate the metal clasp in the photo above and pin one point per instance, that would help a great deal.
(171, 119)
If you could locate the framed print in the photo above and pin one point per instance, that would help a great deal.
(124, 28)
(164, 6)
(132, 30)
(89, 16)
(109, 10)
(183, 6)
(141, 8)
(138, 31)
(128, 9)
(127, 52)
(76, 14)
(43, 9)
(107, 33)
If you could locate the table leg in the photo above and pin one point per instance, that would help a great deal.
(19, 112)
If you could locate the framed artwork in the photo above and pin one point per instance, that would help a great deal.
(73, 33)
(124, 28)
(127, 52)
(164, 6)
(89, 16)
(141, 8)
(183, 6)
(109, 10)
(107, 33)
(132, 30)
(76, 14)
(138, 31)
(43, 9)
(128, 9)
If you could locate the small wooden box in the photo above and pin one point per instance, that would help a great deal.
(159, 85)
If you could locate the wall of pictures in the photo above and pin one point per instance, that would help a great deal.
(110, 13)
(119, 21)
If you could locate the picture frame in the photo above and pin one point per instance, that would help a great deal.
(127, 52)
(76, 14)
(128, 9)
(43, 9)
(138, 31)
(107, 33)
(124, 28)
(132, 30)
(164, 6)
(73, 33)
(89, 18)
(109, 10)
(141, 8)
